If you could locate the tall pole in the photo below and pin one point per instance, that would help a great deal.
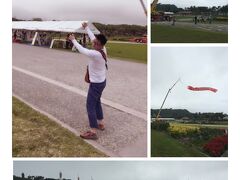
(166, 98)
(144, 7)
(60, 175)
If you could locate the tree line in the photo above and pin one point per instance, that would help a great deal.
(196, 10)
(34, 178)
(112, 30)
(185, 114)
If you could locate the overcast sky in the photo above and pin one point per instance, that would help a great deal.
(187, 3)
(104, 11)
(196, 66)
(126, 170)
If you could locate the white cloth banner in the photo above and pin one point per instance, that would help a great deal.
(56, 26)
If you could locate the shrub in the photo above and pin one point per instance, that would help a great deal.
(194, 133)
(160, 125)
(182, 131)
(216, 146)
(208, 133)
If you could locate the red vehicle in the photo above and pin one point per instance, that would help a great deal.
(142, 39)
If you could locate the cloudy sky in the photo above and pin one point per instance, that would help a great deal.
(187, 3)
(196, 66)
(126, 170)
(104, 11)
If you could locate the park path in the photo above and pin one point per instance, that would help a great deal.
(52, 82)
(203, 26)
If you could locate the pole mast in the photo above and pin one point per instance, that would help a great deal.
(144, 7)
(157, 118)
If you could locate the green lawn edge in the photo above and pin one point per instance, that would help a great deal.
(36, 135)
(124, 51)
(163, 145)
(173, 34)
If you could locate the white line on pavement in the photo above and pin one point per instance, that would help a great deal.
(82, 93)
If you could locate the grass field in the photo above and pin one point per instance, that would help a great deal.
(169, 34)
(128, 51)
(163, 145)
(35, 135)
(184, 18)
(122, 50)
(218, 126)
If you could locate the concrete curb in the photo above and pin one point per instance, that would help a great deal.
(92, 143)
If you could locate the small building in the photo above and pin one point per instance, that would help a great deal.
(225, 118)
(185, 118)
(164, 119)
(185, 13)
(168, 13)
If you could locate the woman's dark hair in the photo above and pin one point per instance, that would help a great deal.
(101, 38)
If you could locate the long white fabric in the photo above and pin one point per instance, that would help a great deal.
(56, 26)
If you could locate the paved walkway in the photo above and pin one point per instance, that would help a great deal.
(52, 82)
(208, 27)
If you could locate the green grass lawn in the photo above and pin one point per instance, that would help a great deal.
(184, 18)
(35, 135)
(170, 34)
(163, 145)
(123, 51)
(127, 51)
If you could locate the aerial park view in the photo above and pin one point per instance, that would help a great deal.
(182, 22)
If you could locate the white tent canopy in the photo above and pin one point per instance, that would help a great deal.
(56, 26)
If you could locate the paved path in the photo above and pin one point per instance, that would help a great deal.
(208, 27)
(52, 81)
